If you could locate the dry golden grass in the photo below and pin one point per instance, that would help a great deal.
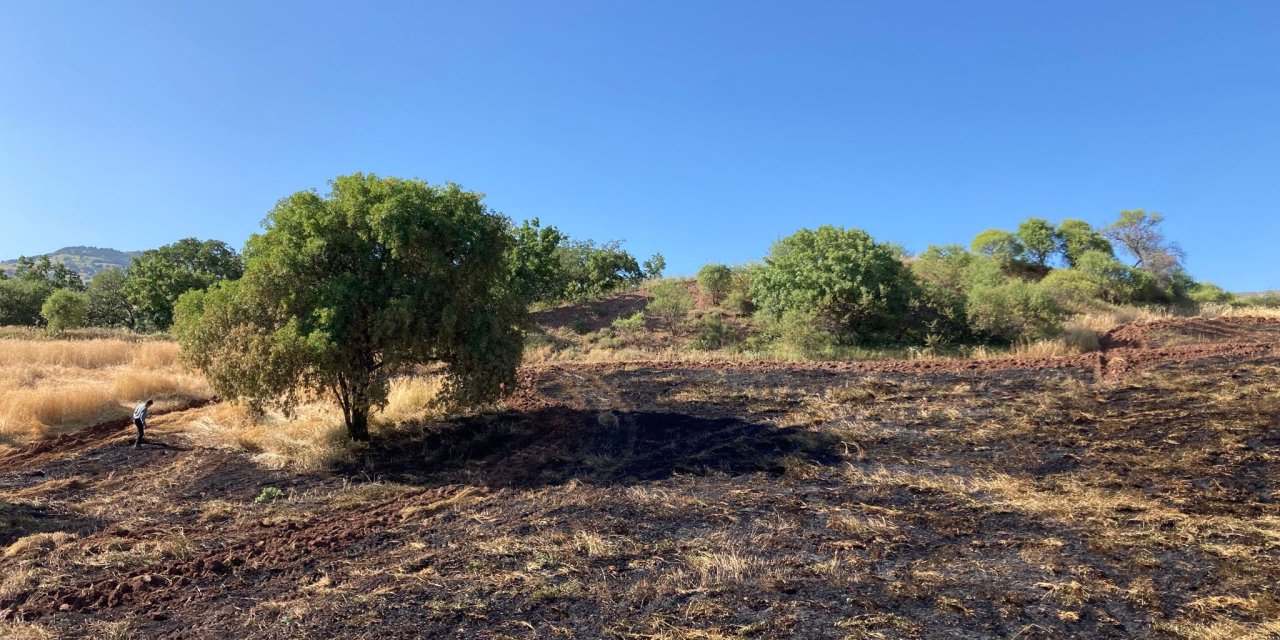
(1228, 311)
(89, 354)
(25, 631)
(55, 386)
(37, 544)
(313, 436)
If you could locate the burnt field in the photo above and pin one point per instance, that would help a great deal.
(1128, 493)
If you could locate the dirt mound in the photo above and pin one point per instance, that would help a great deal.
(1174, 331)
(593, 315)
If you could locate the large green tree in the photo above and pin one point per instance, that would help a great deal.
(21, 299)
(998, 244)
(344, 290)
(536, 266)
(108, 304)
(1077, 238)
(158, 276)
(1037, 238)
(592, 270)
(854, 287)
(58, 275)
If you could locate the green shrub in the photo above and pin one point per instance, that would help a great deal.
(631, 324)
(671, 302)
(1074, 288)
(64, 309)
(797, 330)
(1015, 311)
(1117, 282)
(1207, 292)
(852, 286)
(1270, 299)
(712, 332)
(268, 494)
(714, 281)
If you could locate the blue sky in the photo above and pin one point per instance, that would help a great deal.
(704, 130)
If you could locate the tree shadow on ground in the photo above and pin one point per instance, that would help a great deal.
(554, 445)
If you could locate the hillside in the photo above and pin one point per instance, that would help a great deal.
(88, 261)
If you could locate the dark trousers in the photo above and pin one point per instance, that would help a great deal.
(140, 425)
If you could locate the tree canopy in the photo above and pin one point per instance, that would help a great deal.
(64, 309)
(855, 287)
(714, 281)
(1077, 238)
(158, 276)
(1038, 240)
(342, 291)
(999, 244)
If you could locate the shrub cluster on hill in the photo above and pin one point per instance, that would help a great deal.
(548, 266)
(821, 290)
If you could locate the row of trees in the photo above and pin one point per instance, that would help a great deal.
(341, 292)
(832, 286)
(45, 293)
(549, 266)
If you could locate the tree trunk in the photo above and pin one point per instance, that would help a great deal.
(358, 425)
(354, 400)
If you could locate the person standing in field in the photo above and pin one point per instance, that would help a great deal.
(140, 421)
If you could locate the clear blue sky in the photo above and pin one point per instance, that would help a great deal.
(704, 130)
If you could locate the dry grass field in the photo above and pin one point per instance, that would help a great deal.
(1128, 492)
(49, 387)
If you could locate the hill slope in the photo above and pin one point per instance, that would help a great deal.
(88, 261)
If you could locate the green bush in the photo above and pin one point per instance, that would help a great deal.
(1207, 292)
(671, 302)
(1117, 282)
(1074, 288)
(268, 494)
(64, 309)
(797, 331)
(1270, 299)
(631, 324)
(1015, 311)
(714, 281)
(21, 300)
(854, 287)
(712, 332)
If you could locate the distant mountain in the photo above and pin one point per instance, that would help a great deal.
(86, 260)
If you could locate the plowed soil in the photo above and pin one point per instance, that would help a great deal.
(1127, 493)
